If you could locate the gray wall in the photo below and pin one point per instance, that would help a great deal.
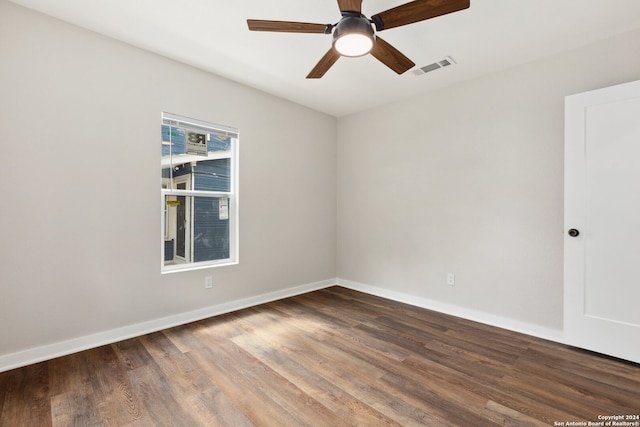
(469, 180)
(80, 212)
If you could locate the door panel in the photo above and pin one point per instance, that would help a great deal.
(602, 201)
(613, 211)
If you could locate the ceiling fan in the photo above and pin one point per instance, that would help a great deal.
(353, 35)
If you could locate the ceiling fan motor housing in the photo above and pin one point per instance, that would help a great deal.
(353, 35)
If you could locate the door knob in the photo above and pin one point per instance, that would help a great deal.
(574, 233)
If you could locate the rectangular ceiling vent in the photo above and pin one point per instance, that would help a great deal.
(435, 66)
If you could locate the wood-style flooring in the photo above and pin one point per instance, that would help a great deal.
(333, 357)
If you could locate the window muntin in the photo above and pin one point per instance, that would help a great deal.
(199, 194)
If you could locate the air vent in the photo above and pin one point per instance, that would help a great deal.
(435, 66)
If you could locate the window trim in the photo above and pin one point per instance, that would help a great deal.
(169, 119)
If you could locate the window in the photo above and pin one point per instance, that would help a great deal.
(199, 194)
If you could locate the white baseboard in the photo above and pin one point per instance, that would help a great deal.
(51, 351)
(453, 310)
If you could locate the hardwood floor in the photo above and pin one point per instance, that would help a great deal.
(334, 357)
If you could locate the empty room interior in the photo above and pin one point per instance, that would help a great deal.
(208, 218)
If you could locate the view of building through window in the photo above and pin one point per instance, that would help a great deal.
(199, 193)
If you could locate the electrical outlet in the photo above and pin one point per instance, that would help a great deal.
(451, 279)
(208, 282)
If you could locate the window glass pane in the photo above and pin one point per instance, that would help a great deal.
(210, 228)
(212, 175)
(197, 229)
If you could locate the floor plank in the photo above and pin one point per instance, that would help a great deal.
(334, 357)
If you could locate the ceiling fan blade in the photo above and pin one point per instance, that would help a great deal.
(350, 5)
(285, 26)
(391, 57)
(416, 11)
(324, 64)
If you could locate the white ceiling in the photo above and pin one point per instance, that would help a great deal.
(213, 35)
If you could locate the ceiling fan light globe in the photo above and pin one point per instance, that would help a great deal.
(353, 45)
(353, 36)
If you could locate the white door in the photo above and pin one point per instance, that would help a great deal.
(602, 203)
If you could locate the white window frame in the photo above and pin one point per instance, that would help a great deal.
(232, 195)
